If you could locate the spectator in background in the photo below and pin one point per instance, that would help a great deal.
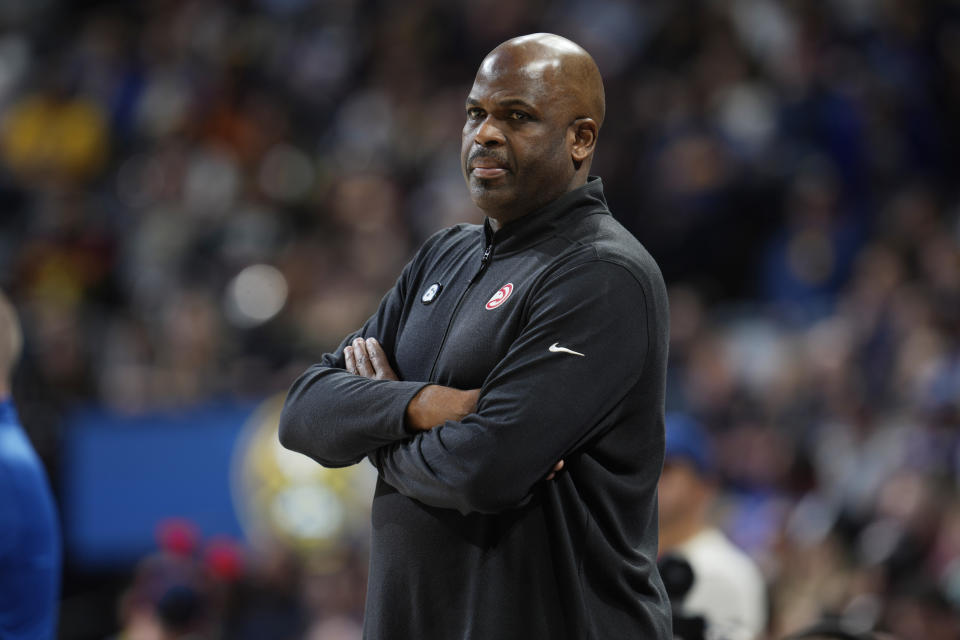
(728, 590)
(29, 528)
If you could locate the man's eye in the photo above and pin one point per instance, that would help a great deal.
(519, 115)
(474, 113)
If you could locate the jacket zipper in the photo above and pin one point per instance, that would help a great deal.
(484, 262)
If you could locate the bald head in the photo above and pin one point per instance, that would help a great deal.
(533, 116)
(10, 343)
(563, 65)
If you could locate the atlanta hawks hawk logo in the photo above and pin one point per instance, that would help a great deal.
(500, 296)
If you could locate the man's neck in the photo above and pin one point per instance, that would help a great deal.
(498, 219)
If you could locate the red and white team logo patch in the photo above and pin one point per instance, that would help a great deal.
(500, 296)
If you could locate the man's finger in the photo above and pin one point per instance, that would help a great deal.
(351, 362)
(554, 470)
(363, 360)
(378, 358)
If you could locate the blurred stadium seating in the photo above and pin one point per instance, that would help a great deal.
(199, 197)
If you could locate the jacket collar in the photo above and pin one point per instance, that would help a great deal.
(537, 225)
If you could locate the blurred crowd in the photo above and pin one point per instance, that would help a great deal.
(199, 197)
(200, 590)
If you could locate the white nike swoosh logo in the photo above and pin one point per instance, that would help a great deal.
(555, 349)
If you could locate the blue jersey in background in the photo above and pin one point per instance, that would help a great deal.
(29, 537)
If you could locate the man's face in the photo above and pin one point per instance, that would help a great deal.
(515, 149)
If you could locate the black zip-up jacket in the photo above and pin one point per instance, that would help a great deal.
(560, 318)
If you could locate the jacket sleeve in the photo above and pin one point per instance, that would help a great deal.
(537, 405)
(336, 417)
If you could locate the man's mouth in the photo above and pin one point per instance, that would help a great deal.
(486, 168)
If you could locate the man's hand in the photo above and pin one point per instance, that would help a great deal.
(367, 358)
(553, 472)
(431, 407)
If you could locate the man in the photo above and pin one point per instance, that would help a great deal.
(29, 530)
(728, 590)
(538, 337)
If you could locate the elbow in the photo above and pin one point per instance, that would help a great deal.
(306, 427)
(287, 432)
(292, 428)
(296, 436)
(290, 432)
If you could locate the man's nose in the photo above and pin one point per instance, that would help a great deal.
(488, 134)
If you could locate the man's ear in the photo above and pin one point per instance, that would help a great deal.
(583, 137)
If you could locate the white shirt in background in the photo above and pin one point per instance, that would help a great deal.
(728, 589)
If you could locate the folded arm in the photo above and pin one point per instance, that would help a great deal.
(539, 404)
(349, 404)
(432, 406)
(337, 417)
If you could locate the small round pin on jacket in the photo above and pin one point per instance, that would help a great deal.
(431, 293)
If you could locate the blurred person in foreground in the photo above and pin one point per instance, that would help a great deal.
(505, 352)
(29, 528)
(728, 590)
